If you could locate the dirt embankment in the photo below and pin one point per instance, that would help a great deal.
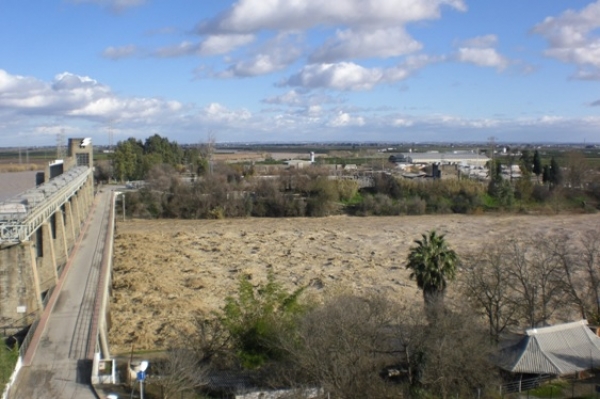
(167, 272)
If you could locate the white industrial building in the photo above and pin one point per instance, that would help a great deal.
(442, 158)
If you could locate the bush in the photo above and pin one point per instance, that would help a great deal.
(415, 206)
(8, 361)
(255, 318)
(541, 193)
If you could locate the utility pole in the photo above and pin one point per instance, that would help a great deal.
(110, 137)
(210, 146)
(60, 142)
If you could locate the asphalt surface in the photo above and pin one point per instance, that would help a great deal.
(59, 367)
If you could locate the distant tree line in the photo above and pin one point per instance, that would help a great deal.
(222, 190)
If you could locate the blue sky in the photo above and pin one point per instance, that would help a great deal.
(300, 70)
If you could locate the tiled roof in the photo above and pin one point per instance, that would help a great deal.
(561, 349)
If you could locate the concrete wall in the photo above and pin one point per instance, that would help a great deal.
(20, 294)
(29, 270)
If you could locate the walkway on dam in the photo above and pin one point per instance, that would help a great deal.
(56, 364)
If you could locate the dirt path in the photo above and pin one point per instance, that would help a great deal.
(168, 271)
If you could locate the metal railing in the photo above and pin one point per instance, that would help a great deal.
(17, 231)
(525, 385)
(28, 338)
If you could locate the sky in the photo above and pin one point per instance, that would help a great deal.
(300, 70)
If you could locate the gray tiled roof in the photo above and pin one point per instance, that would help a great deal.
(561, 349)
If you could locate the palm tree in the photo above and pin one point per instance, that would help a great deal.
(432, 264)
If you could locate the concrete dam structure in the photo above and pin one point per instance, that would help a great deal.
(38, 229)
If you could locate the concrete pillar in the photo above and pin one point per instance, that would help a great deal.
(32, 267)
(20, 293)
(83, 200)
(76, 214)
(90, 189)
(91, 183)
(70, 225)
(47, 271)
(61, 245)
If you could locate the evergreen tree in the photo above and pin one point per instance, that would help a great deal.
(127, 160)
(555, 173)
(546, 175)
(526, 164)
(537, 164)
(133, 159)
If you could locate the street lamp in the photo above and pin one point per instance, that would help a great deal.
(141, 376)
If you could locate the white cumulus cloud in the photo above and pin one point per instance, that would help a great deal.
(340, 76)
(366, 43)
(572, 38)
(480, 51)
(216, 112)
(73, 95)
(343, 119)
(486, 57)
(275, 55)
(348, 76)
(254, 15)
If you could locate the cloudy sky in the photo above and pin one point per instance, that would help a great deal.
(300, 70)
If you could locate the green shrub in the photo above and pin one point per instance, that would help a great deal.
(255, 317)
(8, 361)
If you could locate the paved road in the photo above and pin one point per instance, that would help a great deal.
(59, 368)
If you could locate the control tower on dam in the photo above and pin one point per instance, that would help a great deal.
(38, 229)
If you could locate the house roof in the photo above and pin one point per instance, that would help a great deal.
(558, 350)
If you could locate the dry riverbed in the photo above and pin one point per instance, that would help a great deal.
(168, 272)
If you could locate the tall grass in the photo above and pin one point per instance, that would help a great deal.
(23, 167)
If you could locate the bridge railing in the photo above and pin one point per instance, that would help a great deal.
(28, 338)
(17, 231)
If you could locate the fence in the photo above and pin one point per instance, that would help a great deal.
(552, 388)
(524, 385)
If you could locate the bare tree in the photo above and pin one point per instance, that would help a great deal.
(180, 370)
(590, 261)
(549, 278)
(526, 282)
(573, 276)
(457, 355)
(537, 279)
(356, 347)
(487, 284)
(344, 345)
(577, 167)
(208, 148)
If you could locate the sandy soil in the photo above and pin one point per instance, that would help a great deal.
(168, 272)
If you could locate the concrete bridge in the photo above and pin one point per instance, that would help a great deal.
(38, 229)
(55, 253)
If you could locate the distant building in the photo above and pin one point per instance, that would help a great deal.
(442, 158)
(297, 163)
